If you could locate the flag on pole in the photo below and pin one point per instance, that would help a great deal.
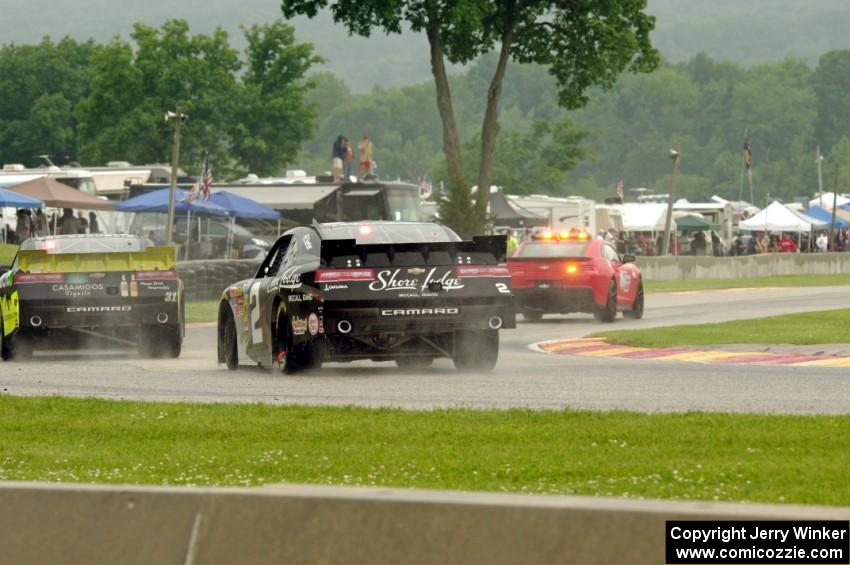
(748, 159)
(620, 190)
(206, 177)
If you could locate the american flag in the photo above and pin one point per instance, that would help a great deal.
(620, 189)
(206, 177)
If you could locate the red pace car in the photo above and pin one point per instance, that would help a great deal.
(572, 272)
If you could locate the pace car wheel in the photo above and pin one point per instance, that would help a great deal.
(608, 312)
(228, 353)
(476, 350)
(532, 315)
(414, 362)
(637, 308)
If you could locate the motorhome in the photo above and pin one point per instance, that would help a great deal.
(79, 178)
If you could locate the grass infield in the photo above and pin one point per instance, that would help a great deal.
(693, 456)
(808, 328)
(202, 311)
(755, 282)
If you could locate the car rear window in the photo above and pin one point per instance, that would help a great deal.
(376, 233)
(553, 249)
(86, 244)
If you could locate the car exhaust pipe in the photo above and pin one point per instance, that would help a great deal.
(162, 317)
(344, 326)
(35, 321)
(495, 322)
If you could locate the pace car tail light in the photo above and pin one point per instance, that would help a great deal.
(341, 275)
(580, 267)
(168, 274)
(30, 278)
(485, 271)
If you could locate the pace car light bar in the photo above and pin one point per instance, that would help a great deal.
(573, 234)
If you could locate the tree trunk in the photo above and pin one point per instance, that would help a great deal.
(490, 126)
(451, 141)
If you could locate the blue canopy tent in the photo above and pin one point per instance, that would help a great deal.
(826, 216)
(241, 207)
(9, 199)
(157, 202)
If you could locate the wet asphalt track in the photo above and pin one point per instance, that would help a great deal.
(523, 378)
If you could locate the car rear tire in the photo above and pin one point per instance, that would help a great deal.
(532, 315)
(157, 342)
(608, 312)
(476, 350)
(228, 351)
(306, 356)
(7, 346)
(414, 362)
(636, 313)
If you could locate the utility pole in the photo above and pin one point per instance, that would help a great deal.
(834, 205)
(743, 167)
(665, 250)
(179, 118)
(819, 160)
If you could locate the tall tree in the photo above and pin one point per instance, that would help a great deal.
(582, 43)
(831, 81)
(248, 121)
(39, 86)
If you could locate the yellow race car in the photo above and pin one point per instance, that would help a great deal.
(74, 291)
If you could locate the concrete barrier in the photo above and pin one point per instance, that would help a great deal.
(746, 266)
(204, 280)
(87, 524)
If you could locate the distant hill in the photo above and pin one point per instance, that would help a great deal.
(745, 32)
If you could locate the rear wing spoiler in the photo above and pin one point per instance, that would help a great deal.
(483, 249)
(155, 257)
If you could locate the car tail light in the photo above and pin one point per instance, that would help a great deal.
(169, 274)
(486, 271)
(28, 278)
(580, 267)
(340, 275)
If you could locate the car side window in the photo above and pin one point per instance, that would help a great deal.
(610, 254)
(271, 265)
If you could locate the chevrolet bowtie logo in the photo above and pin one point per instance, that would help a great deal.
(416, 271)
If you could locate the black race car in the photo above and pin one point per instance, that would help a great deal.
(407, 292)
(74, 291)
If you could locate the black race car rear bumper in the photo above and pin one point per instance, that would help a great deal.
(555, 300)
(40, 316)
(415, 320)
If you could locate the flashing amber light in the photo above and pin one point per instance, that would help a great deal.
(546, 235)
(583, 235)
(50, 245)
(572, 268)
(564, 235)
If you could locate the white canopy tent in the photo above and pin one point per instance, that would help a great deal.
(841, 200)
(645, 217)
(778, 217)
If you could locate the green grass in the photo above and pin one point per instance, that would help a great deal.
(201, 311)
(7, 253)
(809, 328)
(682, 456)
(785, 280)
